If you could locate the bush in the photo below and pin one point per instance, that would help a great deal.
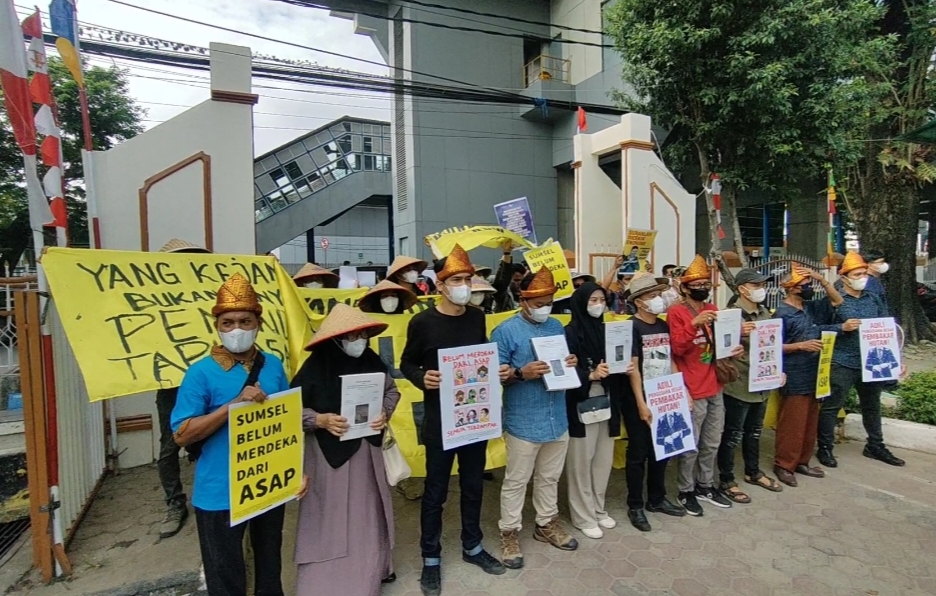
(917, 401)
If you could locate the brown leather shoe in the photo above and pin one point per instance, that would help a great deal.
(812, 472)
(785, 476)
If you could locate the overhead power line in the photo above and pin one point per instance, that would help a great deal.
(498, 16)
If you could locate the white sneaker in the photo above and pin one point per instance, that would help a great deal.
(607, 523)
(593, 533)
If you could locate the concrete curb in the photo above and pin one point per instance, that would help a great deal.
(180, 584)
(897, 433)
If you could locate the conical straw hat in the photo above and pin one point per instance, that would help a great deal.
(344, 319)
(370, 302)
(479, 284)
(236, 295)
(311, 270)
(851, 262)
(480, 269)
(176, 245)
(402, 262)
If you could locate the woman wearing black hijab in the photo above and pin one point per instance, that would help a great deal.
(344, 536)
(594, 412)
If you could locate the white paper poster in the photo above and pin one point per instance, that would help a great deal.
(671, 426)
(766, 357)
(361, 403)
(727, 332)
(470, 395)
(619, 341)
(347, 277)
(553, 351)
(880, 350)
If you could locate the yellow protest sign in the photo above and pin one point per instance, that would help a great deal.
(824, 379)
(551, 256)
(471, 237)
(137, 320)
(266, 449)
(636, 251)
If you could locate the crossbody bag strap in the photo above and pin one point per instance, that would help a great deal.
(254, 375)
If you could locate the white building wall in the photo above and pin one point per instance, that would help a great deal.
(581, 14)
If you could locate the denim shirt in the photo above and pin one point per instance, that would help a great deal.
(801, 368)
(531, 413)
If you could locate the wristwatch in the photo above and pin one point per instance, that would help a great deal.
(518, 374)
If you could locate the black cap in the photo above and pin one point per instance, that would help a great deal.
(750, 276)
(872, 255)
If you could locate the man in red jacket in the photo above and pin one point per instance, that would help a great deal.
(694, 356)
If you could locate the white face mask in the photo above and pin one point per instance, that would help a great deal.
(656, 305)
(857, 284)
(881, 268)
(238, 341)
(596, 310)
(669, 297)
(410, 277)
(459, 295)
(758, 295)
(477, 298)
(314, 285)
(539, 315)
(354, 348)
(389, 304)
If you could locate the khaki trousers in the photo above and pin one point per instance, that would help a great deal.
(588, 468)
(543, 462)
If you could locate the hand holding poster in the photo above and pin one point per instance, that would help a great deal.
(636, 251)
(727, 329)
(880, 350)
(824, 378)
(671, 425)
(619, 341)
(553, 258)
(516, 216)
(266, 446)
(766, 357)
(470, 395)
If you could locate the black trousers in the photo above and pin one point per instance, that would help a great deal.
(471, 462)
(222, 552)
(744, 423)
(869, 397)
(641, 461)
(168, 463)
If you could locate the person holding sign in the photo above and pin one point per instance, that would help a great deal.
(535, 421)
(652, 357)
(744, 409)
(451, 324)
(235, 371)
(847, 367)
(387, 298)
(594, 412)
(691, 336)
(804, 320)
(344, 537)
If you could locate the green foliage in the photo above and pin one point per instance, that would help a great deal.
(917, 401)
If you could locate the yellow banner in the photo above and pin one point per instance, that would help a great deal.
(824, 379)
(636, 251)
(471, 237)
(551, 256)
(137, 320)
(266, 454)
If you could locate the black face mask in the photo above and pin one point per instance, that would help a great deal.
(698, 294)
(807, 293)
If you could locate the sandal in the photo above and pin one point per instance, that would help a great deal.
(764, 481)
(733, 493)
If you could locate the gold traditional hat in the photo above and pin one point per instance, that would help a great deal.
(457, 262)
(176, 245)
(479, 284)
(402, 262)
(236, 295)
(370, 302)
(696, 271)
(543, 284)
(851, 262)
(644, 283)
(342, 320)
(796, 277)
(310, 270)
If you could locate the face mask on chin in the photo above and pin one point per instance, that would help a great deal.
(238, 341)
(389, 304)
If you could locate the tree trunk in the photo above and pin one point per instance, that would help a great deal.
(889, 222)
(716, 248)
(730, 216)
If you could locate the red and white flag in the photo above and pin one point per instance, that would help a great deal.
(16, 93)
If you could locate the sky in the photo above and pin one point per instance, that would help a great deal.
(283, 113)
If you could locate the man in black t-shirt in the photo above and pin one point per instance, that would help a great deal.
(652, 359)
(448, 325)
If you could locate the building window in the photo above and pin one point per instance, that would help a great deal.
(293, 170)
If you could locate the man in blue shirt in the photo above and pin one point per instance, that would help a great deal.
(877, 266)
(536, 424)
(200, 416)
(857, 303)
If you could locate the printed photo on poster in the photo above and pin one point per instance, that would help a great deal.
(636, 250)
(671, 425)
(727, 328)
(470, 401)
(766, 356)
(554, 350)
(619, 341)
(361, 403)
(880, 350)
